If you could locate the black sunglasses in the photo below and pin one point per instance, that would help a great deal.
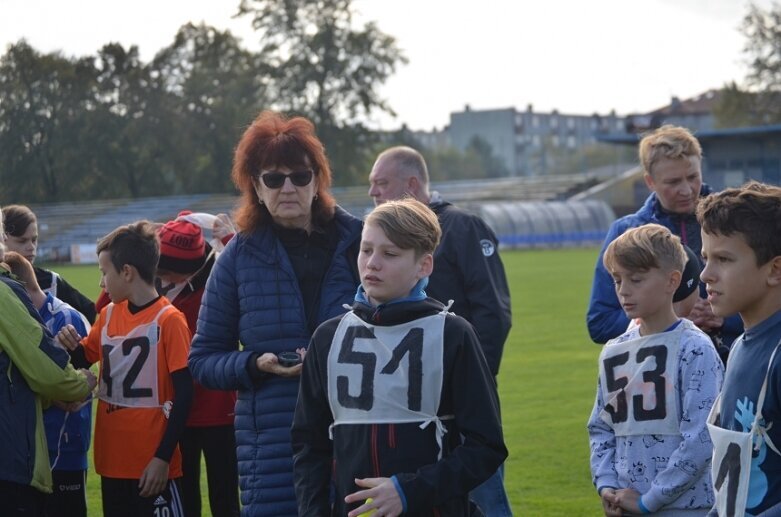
(274, 179)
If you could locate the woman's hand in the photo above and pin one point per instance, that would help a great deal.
(269, 363)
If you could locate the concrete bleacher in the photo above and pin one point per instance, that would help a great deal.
(63, 224)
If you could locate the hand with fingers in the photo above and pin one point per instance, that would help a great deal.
(68, 337)
(269, 363)
(380, 495)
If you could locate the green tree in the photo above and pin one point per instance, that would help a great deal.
(493, 166)
(762, 29)
(330, 70)
(448, 164)
(218, 88)
(737, 107)
(759, 100)
(135, 122)
(44, 100)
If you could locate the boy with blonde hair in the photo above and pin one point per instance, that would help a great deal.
(396, 403)
(650, 451)
(741, 243)
(145, 389)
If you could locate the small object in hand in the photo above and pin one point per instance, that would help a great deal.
(288, 359)
(370, 512)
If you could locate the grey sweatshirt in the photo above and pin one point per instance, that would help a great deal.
(670, 471)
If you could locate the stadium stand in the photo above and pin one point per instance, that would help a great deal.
(63, 224)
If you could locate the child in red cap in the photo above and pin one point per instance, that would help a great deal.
(186, 260)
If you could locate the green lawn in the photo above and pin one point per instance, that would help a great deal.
(546, 382)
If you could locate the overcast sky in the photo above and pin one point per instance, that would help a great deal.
(577, 56)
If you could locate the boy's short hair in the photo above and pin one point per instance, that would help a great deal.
(753, 210)
(651, 246)
(668, 141)
(409, 224)
(136, 245)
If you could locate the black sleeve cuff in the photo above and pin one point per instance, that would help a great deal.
(256, 375)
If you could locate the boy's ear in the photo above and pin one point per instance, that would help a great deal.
(674, 280)
(774, 275)
(426, 265)
(649, 182)
(127, 272)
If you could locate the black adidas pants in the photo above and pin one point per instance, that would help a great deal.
(121, 499)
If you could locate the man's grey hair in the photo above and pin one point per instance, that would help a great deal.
(407, 161)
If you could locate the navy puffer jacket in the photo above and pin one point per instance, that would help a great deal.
(253, 297)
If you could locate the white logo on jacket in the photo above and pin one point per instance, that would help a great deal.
(488, 247)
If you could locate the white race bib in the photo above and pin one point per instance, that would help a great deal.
(638, 379)
(376, 374)
(732, 452)
(730, 467)
(128, 370)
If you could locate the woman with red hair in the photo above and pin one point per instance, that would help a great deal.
(291, 266)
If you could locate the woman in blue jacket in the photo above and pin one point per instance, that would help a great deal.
(291, 267)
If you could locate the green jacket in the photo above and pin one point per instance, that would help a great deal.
(32, 368)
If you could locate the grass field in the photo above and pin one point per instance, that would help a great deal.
(546, 382)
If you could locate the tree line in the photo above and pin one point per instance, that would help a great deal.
(111, 125)
(756, 100)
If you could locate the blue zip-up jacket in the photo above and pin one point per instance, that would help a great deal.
(68, 445)
(32, 367)
(605, 318)
(253, 297)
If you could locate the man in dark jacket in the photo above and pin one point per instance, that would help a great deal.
(671, 158)
(467, 270)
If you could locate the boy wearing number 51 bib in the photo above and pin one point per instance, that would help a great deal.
(145, 387)
(741, 243)
(397, 407)
(650, 448)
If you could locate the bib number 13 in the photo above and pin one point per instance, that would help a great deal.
(620, 412)
(411, 344)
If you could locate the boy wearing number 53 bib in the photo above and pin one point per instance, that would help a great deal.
(145, 387)
(397, 407)
(650, 448)
(741, 243)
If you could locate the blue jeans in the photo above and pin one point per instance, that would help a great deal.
(491, 497)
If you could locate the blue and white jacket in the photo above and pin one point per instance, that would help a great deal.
(253, 298)
(68, 445)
